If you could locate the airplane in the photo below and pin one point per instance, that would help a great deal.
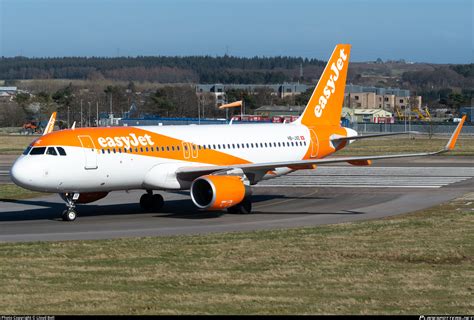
(218, 164)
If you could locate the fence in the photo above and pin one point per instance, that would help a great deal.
(429, 127)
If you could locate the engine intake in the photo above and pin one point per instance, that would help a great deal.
(218, 192)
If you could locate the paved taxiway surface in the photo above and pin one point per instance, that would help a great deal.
(330, 194)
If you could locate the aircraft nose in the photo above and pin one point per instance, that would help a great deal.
(20, 174)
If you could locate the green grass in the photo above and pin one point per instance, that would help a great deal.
(416, 263)
(14, 192)
(15, 144)
(380, 146)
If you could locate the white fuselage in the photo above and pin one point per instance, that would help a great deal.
(106, 169)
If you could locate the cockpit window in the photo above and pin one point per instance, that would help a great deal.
(37, 151)
(61, 151)
(27, 150)
(51, 151)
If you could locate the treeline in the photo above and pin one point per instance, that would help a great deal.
(203, 69)
(452, 86)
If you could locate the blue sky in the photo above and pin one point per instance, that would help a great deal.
(417, 30)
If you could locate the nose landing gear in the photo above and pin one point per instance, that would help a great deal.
(70, 213)
(150, 201)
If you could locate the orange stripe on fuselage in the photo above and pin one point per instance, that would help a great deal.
(123, 137)
(324, 134)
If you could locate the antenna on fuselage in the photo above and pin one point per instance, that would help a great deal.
(73, 125)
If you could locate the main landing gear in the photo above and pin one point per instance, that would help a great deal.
(244, 207)
(150, 201)
(70, 213)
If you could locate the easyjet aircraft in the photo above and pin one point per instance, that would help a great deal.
(217, 163)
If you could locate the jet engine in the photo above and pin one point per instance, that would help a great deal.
(218, 192)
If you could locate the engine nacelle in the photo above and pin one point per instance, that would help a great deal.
(88, 197)
(218, 192)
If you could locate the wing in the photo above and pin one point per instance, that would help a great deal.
(190, 173)
(375, 135)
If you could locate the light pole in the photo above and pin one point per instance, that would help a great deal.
(199, 110)
(89, 115)
(81, 114)
(409, 117)
(405, 117)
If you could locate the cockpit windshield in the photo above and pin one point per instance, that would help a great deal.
(61, 151)
(53, 151)
(27, 150)
(37, 151)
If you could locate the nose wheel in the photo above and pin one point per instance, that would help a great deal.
(70, 213)
(150, 201)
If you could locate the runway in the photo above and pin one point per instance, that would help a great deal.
(332, 194)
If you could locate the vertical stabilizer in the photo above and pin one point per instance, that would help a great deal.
(50, 126)
(325, 105)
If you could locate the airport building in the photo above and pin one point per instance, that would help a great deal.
(368, 115)
(357, 97)
(7, 93)
(391, 99)
(270, 111)
(280, 90)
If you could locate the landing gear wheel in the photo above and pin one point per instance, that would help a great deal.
(151, 201)
(245, 207)
(233, 209)
(146, 201)
(69, 215)
(158, 201)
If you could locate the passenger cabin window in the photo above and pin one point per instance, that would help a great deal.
(51, 151)
(37, 151)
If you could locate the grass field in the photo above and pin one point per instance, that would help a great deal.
(13, 192)
(464, 146)
(416, 263)
(14, 144)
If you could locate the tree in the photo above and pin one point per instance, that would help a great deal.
(46, 104)
(160, 103)
(22, 99)
(64, 97)
(117, 95)
(455, 100)
(303, 98)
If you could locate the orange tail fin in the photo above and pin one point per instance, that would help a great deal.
(325, 105)
(50, 126)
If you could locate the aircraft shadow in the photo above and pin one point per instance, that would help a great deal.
(178, 209)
